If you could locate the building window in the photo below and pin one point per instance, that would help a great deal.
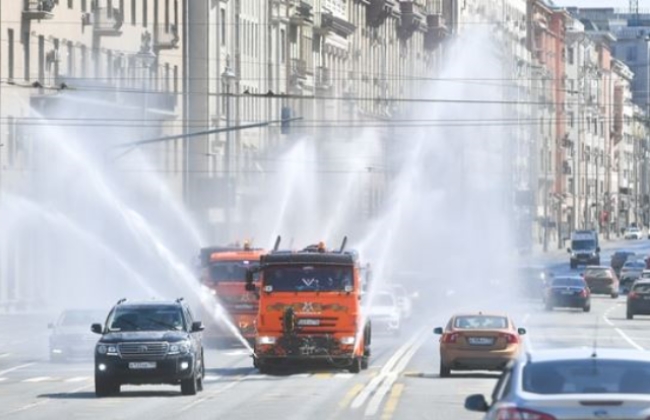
(84, 6)
(133, 12)
(283, 41)
(223, 27)
(145, 9)
(631, 53)
(10, 53)
(569, 54)
(70, 4)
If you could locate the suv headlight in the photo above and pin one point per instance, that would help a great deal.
(265, 340)
(180, 347)
(107, 349)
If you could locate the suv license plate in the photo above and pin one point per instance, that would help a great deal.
(142, 365)
(480, 341)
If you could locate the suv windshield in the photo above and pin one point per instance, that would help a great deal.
(312, 278)
(230, 271)
(583, 245)
(592, 376)
(146, 318)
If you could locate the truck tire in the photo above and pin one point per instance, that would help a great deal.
(629, 315)
(105, 387)
(355, 367)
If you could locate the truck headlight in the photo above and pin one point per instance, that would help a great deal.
(104, 349)
(347, 341)
(181, 347)
(265, 340)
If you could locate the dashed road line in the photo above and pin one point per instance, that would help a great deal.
(619, 331)
(2, 372)
(77, 379)
(393, 400)
(38, 379)
(350, 395)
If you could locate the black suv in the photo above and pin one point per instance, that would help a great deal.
(149, 343)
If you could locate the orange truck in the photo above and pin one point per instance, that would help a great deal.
(223, 273)
(310, 309)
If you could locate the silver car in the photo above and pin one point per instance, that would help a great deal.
(571, 384)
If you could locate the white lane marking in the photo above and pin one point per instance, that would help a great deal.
(237, 353)
(256, 376)
(620, 332)
(38, 379)
(3, 379)
(2, 372)
(387, 386)
(628, 339)
(77, 379)
(344, 375)
(211, 378)
(376, 381)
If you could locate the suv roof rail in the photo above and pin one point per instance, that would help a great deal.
(180, 299)
(121, 301)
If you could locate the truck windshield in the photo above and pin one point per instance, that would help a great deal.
(230, 271)
(311, 278)
(583, 245)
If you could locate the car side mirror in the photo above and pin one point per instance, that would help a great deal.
(197, 326)
(568, 250)
(96, 328)
(50, 326)
(437, 330)
(521, 331)
(476, 402)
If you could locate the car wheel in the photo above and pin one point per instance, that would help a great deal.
(199, 385)
(105, 387)
(614, 295)
(190, 386)
(586, 308)
(445, 371)
(630, 315)
(355, 367)
(263, 368)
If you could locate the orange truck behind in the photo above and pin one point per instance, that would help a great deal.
(223, 272)
(310, 310)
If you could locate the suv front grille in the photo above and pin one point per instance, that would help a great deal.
(150, 351)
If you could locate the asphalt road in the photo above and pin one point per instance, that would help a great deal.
(402, 382)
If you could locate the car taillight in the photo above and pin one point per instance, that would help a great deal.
(450, 338)
(583, 293)
(513, 413)
(632, 295)
(510, 338)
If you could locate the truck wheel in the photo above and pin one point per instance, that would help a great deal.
(105, 387)
(355, 367)
(614, 295)
(445, 371)
(189, 386)
(586, 308)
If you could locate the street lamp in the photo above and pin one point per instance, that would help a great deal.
(227, 77)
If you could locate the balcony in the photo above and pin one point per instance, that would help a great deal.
(38, 9)
(340, 26)
(166, 37)
(411, 19)
(323, 78)
(302, 14)
(105, 21)
(437, 31)
(378, 11)
(299, 68)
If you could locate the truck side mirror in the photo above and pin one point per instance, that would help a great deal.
(197, 326)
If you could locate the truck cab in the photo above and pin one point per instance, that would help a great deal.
(223, 275)
(584, 248)
(310, 310)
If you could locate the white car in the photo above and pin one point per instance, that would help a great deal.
(384, 313)
(633, 232)
(404, 301)
(583, 383)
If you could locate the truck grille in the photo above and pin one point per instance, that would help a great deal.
(149, 351)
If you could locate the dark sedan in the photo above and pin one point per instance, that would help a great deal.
(567, 292)
(638, 300)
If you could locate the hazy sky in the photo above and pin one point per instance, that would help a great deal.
(623, 4)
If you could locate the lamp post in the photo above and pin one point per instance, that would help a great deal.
(148, 59)
(227, 77)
